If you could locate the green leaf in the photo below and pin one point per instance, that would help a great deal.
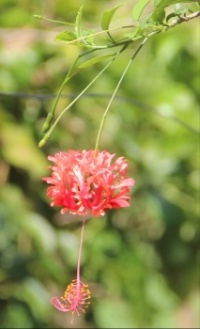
(138, 8)
(95, 60)
(66, 36)
(80, 32)
(159, 12)
(158, 15)
(107, 17)
(78, 22)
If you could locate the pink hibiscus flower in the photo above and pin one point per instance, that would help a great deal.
(91, 182)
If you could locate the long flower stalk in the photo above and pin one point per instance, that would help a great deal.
(76, 296)
(80, 250)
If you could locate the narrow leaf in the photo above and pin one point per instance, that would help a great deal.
(94, 60)
(78, 22)
(138, 8)
(107, 17)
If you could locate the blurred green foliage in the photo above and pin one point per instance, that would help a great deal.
(141, 262)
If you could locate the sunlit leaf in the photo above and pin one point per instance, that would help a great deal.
(85, 39)
(138, 8)
(84, 36)
(94, 60)
(66, 36)
(78, 22)
(107, 17)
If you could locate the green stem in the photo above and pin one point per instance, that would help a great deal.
(50, 116)
(54, 21)
(99, 47)
(47, 135)
(114, 93)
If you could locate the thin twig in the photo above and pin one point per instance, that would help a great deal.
(182, 19)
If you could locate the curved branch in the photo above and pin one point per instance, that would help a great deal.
(182, 19)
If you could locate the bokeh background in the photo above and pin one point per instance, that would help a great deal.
(141, 262)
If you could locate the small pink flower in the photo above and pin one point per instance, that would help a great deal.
(84, 182)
